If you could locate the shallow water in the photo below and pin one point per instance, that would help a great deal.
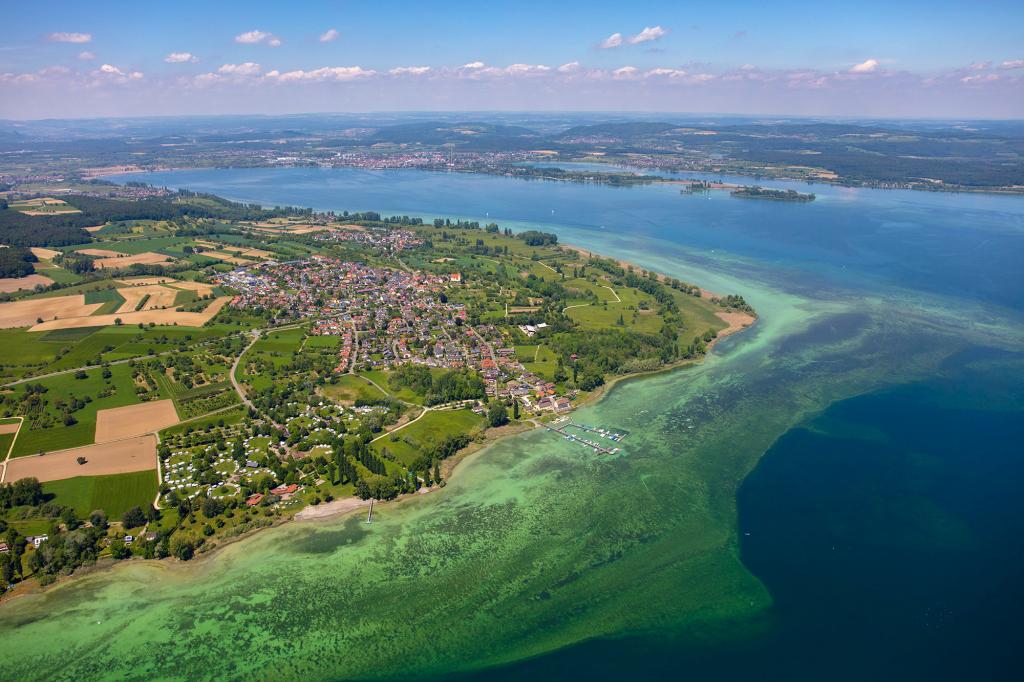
(876, 402)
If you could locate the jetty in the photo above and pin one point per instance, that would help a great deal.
(572, 437)
(609, 434)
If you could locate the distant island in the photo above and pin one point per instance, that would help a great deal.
(754, 192)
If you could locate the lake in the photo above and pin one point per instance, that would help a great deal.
(832, 494)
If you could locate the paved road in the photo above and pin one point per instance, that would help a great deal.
(234, 367)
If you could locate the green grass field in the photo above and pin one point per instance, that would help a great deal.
(171, 245)
(5, 444)
(221, 418)
(57, 274)
(544, 365)
(114, 494)
(58, 436)
(328, 342)
(280, 342)
(350, 388)
(408, 443)
(380, 377)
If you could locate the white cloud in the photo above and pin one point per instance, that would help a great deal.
(648, 34)
(251, 37)
(571, 67)
(624, 72)
(108, 73)
(614, 40)
(473, 65)
(181, 58)
(327, 73)
(869, 66)
(240, 70)
(409, 70)
(86, 56)
(329, 35)
(17, 78)
(522, 69)
(1013, 64)
(663, 72)
(274, 42)
(979, 78)
(71, 37)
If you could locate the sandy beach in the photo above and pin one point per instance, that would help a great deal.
(332, 508)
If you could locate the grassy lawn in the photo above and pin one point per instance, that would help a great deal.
(585, 285)
(114, 494)
(350, 388)
(408, 443)
(381, 378)
(545, 364)
(329, 342)
(280, 342)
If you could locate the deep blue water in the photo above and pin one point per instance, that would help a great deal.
(888, 524)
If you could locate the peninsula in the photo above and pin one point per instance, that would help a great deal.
(186, 369)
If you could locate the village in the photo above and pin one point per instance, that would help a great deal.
(387, 318)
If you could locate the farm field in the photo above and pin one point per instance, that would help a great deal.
(11, 284)
(158, 317)
(29, 312)
(133, 454)
(121, 261)
(134, 420)
(43, 206)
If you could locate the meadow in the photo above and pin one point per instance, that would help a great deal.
(408, 443)
(114, 494)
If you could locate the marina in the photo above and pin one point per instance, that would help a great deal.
(561, 427)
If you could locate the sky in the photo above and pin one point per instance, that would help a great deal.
(911, 59)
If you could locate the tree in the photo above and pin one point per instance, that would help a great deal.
(212, 507)
(118, 549)
(133, 518)
(98, 518)
(182, 547)
(497, 415)
(117, 321)
(515, 409)
(67, 515)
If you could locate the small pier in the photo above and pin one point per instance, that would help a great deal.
(593, 445)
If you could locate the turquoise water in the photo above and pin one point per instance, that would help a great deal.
(832, 494)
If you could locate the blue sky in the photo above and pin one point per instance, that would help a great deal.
(868, 58)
